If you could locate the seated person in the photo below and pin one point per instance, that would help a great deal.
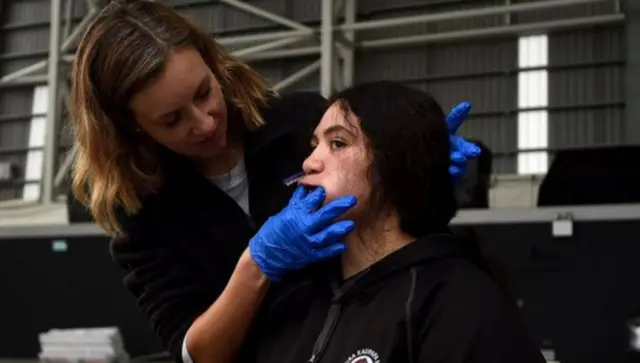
(405, 290)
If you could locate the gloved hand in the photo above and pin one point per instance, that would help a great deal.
(301, 234)
(461, 150)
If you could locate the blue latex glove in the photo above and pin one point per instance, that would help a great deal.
(461, 150)
(301, 234)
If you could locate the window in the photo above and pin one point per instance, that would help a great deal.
(35, 158)
(532, 103)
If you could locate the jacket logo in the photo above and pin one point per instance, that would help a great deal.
(364, 356)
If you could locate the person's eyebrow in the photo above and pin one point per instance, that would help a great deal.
(332, 130)
(337, 128)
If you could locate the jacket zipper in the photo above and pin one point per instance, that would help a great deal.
(327, 331)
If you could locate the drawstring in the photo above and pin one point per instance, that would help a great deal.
(407, 314)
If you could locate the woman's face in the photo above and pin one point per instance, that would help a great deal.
(340, 160)
(184, 109)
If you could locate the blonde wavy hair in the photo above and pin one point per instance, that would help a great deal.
(124, 49)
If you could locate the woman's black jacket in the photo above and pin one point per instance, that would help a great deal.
(181, 248)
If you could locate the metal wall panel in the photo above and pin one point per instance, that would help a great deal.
(483, 70)
(479, 72)
(16, 42)
(564, 12)
(15, 107)
(24, 38)
(476, 71)
(220, 18)
(586, 88)
(374, 10)
(276, 70)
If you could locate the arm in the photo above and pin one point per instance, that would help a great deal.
(175, 300)
(218, 333)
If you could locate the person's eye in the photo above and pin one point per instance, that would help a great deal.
(337, 144)
(174, 120)
(204, 94)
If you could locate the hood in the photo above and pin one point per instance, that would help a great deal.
(417, 253)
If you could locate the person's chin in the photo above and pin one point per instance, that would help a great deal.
(212, 148)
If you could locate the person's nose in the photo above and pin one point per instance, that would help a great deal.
(203, 123)
(313, 164)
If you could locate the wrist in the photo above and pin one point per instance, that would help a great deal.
(251, 271)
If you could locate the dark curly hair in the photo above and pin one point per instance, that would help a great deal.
(409, 143)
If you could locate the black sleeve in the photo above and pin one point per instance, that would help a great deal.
(475, 324)
(168, 292)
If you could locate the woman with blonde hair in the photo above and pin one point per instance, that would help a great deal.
(182, 154)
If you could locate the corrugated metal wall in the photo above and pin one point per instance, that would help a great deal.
(586, 88)
(586, 76)
(586, 79)
(24, 40)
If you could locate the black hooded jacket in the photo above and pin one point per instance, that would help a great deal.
(431, 301)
